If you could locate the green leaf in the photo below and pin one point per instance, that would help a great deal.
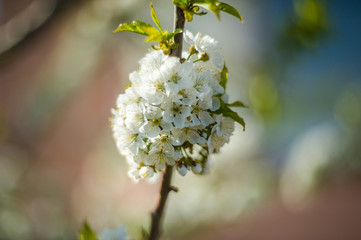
(137, 27)
(180, 3)
(211, 5)
(155, 17)
(167, 36)
(235, 117)
(237, 104)
(87, 233)
(188, 16)
(156, 37)
(224, 77)
(230, 10)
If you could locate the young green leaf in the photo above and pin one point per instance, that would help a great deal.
(211, 5)
(155, 17)
(230, 10)
(87, 233)
(137, 27)
(237, 104)
(180, 3)
(156, 37)
(235, 117)
(224, 77)
(168, 36)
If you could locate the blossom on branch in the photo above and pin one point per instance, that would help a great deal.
(174, 112)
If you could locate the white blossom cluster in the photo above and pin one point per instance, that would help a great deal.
(171, 112)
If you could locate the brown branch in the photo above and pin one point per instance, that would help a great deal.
(158, 212)
(166, 187)
(179, 21)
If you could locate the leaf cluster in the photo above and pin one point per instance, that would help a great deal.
(153, 34)
(189, 8)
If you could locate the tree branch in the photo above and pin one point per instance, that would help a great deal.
(166, 187)
(179, 22)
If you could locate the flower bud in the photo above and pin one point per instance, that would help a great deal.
(182, 170)
(204, 57)
(166, 51)
(197, 168)
(193, 50)
(146, 172)
(134, 174)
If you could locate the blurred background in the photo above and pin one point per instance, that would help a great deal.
(295, 173)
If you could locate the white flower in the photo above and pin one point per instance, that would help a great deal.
(199, 113)
(152, 61)
(175, 113)
(130, 96)
(206, 44)
(146, 172)
(162, 144)
(149, 86)
(186, 96)
(133, 173)
(127, 140)
(201, 82)
(134, 117)
(155, 123)
(179, 136)
(160, 159)
(224, 125)
(176, 75)
(141, 157)
(119, 233)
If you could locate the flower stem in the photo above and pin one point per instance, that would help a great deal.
(166, 187)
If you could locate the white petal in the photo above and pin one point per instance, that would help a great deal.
(205, 118)
(178, 137)
(168, 149)
(166, 126)
(215, 104)
(192, 136)
(179, 121)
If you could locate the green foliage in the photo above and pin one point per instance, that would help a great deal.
(164, 38)
(217, 6)
(237, 104)
(87, 233)
(230, 10)
(225, 107)
(230, 113)
(137, 27)
(155, 17)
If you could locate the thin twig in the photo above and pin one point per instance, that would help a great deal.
(158, 212)
(166, 187)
